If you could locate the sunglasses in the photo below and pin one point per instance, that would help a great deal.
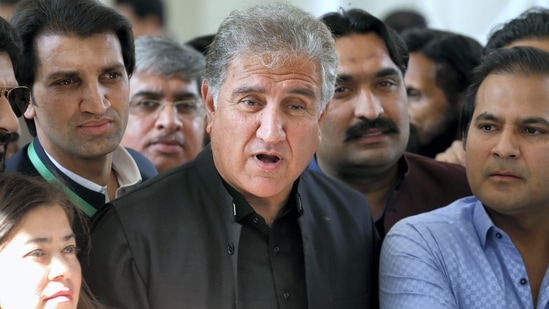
(19, 98)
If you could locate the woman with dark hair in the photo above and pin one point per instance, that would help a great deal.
(39, 267)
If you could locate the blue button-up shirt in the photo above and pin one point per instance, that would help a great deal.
(454, 257)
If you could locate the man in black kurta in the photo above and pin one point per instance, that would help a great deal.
(176, 243)
(244, 224)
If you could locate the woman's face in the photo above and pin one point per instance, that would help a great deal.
(38, 264)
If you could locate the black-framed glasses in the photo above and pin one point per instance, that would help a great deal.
(19, 98)
(151, 107)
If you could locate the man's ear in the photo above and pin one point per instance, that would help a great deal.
(208, 104)
(323, 114)
(30, 113)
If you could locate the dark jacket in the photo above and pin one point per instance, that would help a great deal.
(173, 243)
(21, 163)
(424, 184)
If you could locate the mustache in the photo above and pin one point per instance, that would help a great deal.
(4, 140)
(167, 137)
(357, 130)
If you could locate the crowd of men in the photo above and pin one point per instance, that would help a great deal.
(296, 162)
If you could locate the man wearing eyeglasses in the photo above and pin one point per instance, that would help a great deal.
(14, 99)
(167, 116)
(77, 60)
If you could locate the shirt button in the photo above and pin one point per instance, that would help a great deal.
(276, 249)
(523, 281)
(498, 235)
(286, 295)
(255, 220)
(230, 249)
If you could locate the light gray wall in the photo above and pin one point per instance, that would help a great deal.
(190, 18)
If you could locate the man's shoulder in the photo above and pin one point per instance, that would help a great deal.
(20, 162)
(311, 180)
(191, 180)
(149, 201)
(146, 168)
(458, 214)
(324, 195)
(161, 184)
(429, 171)
(421, 162)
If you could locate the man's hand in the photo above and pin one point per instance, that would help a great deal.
(453, 154)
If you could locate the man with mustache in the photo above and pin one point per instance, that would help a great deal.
(490, 250)
(366, 129)
(77, 59)
(13, 99)
(167, 116)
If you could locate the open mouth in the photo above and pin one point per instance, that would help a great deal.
(267, 158)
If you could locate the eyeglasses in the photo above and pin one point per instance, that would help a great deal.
(19, 98)
(150, 107)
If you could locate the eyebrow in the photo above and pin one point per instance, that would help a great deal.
(156, 94)
(387, 72)
(148, 93)
(75, 73)
(382, 73)
(528, 120)
(44, 240)
(249, 89)
(62, 74)
(344, 78)
(536, 120)
(116, 66)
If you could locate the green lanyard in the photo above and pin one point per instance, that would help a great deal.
(47, 174)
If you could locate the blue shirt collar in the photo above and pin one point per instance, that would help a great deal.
(482, 222)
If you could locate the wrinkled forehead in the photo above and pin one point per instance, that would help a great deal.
(276, 60)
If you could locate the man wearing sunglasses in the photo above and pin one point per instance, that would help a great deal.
(13, 99)
(77, 59)
(167, 116)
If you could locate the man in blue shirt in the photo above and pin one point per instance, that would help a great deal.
(490, 250)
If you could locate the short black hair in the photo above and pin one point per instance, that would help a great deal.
(144, 8)
(402, 20)
(455, 56)
(83, 18)
(532, 23)
(358, 21)
(518, 61)
(201, 43)
(13, 2)
(10, 42)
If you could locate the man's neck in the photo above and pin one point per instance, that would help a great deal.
(374, 184)
(267, 209)
(97, 170)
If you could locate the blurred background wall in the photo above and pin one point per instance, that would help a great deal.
(190, 18)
